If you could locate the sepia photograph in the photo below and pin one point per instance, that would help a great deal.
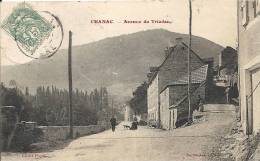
(121, 80)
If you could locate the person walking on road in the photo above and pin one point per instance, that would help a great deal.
(227, 92)
(113, 123)
(134, 124)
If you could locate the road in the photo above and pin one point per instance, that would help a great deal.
(197, 142)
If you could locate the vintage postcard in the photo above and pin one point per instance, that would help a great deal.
(148, 80)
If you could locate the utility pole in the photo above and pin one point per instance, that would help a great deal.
(1, 137)
(1, 117)
(189, 70)
(112, 107)
(70, 86)
(239, 78)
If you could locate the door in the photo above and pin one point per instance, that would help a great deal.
(255, 91)
(173, 123)
(170, 120)
(174, 117)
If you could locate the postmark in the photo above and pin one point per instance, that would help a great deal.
(37, 34)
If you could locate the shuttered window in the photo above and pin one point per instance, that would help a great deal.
(244, 12)
(257, 3)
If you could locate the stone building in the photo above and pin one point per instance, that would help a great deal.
(225, 77)
(228, 61)
(227, 67)
(249, 64)
(173, 66)
(174, 102)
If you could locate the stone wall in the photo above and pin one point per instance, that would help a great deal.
(53, 133)
(182, 109)
(177, 92)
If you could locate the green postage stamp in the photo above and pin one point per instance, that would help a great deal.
(27, 27)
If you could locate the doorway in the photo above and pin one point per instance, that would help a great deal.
(255, 96)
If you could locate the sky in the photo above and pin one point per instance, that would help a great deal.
(214, 20)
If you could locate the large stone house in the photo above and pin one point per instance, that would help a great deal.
(249, 64)
(172, 68)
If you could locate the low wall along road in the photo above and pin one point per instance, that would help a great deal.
(62, 132)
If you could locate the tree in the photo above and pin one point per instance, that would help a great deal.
(139, 101)
(12, 97)
(49, 106)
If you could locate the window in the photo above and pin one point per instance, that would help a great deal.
(255, 8)
(257, 5)
(244, 12)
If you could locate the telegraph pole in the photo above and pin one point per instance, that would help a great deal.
(189, 70)
(112, 107)
(1, 117)
(70, 86)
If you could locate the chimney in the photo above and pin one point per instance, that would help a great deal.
(166, 51)
(175, 42)
(153, 69)
(178, 40)
(171, 43)
(149, 75)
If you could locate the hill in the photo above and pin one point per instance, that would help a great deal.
(120, 63)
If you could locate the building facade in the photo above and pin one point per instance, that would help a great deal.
(249, 64)
(173, 66)
(228, 61)
(227, 67)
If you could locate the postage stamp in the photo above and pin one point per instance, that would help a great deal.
(29, 29)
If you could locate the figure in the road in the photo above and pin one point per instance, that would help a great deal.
(134, 124)
(227, 93)
(113, 123)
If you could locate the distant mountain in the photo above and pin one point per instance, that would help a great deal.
(120, 63)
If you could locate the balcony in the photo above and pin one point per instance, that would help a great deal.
(221, 80)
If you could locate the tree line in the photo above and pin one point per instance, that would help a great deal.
(49, 105)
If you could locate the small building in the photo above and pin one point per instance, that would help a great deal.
(174, 100)
(249, 64)
(129, 113)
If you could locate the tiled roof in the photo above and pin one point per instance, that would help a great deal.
(185, 97)
(197, 76)
(153, 75)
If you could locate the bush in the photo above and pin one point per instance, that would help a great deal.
(142, 123)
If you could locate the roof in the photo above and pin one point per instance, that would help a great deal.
(185, 97)
(170, 52)
(197, 76)
(178, 102)
(158, 68)
(152, 77)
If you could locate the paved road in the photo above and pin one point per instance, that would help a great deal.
(194, 143)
